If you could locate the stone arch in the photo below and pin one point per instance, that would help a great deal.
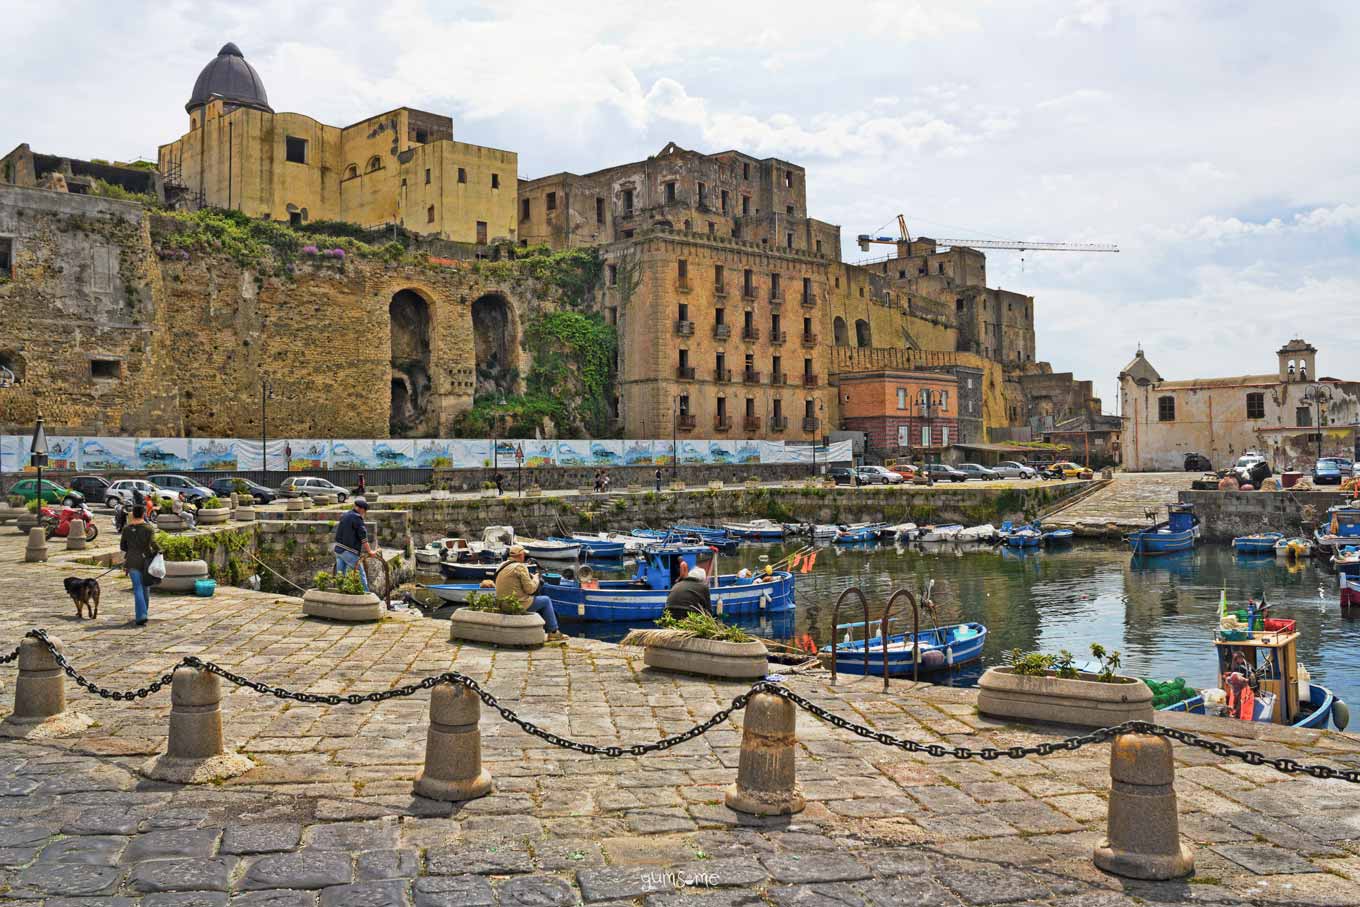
(410, 325)
(862, 337)
(842, 336)
(495, 332)
(374, 163)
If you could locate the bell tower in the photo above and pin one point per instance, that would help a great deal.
(1297, 361)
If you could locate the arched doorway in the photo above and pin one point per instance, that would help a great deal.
(842, 337)
(496, 341)
(409, 318)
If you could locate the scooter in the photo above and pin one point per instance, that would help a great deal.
(58, 523)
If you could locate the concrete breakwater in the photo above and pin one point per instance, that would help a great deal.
(1225, 515)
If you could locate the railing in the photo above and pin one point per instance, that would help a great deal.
(809, 300)
(750, 333)
(809, 381)
(722, 375)
(686, 422)
(809, 340)
(721, 423)
(748, 293)
(777, 378)
(810, 423)
(778, 337)
(720, 291)
(779, 423)
(750, 377)
(685, 372)
(751, 423)
(684, 328)
(776, 299)
(682, 285)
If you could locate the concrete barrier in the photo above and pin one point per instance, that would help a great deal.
(40, 696)
(75, 536)
(1143, 831)
(767, 783)
(195, 753)
(35, 552)
(453, 747)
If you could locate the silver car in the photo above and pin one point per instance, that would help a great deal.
(122, 491)
(192, 491)
(1010, 469)
(307, 486)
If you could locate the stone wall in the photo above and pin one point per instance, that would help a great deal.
(1224, 515)
(620, 477)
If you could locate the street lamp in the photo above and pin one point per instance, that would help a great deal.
(675, 439)
(37, 455)
(266, 394)
(1318, 395)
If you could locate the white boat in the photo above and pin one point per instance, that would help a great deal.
(1296, 547)
(825, 531)
(756, 530)
(946, 533)
(984, 533)
(631, 544)
(495, 543)
(906, 532)
(442, 550)
(548, 550)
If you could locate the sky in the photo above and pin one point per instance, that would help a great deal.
(1214, 141)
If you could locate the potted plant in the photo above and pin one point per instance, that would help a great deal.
(497, 619)
(182, 566)
(341, 597)
(700, 644)
(753, 481)
(1050, 688)
(212, 510)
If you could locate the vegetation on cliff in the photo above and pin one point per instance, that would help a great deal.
(572, 273)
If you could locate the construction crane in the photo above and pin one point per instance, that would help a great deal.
(865, 240)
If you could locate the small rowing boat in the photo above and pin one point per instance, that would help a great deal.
(1257, 543)
(756, 530)
(1176, 533)
(939, 648)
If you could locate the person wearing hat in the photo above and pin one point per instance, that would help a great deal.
(689, 594)
(513, 580)
(351, 540)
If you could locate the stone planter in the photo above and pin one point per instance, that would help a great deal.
(245, 513)
(708, 657)
(499, 629)
(169, 522)
(209, 516)
(8, 513)
(715, 485)
(1085, 702)
(340, 606)
(180, 576)
(369, 496)
(633, 486)
(752, 483)
(26, 521)
(296, 504)
(534, 491)
(324, 500)
(676, 486)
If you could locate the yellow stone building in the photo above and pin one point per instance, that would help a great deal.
(399, 167)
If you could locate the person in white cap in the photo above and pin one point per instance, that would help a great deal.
(689, 594)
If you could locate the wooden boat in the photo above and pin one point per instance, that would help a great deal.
(456, 593)
(549, 550)
(984, 533)
(1176, 533)
(756, 530)
(1293, 549)
(674, 536)
(939, 648)
(441, 550)
(1350, 591)
(1257, 543)
(1023, 537)
(643, 598)
(472, 571)
(594, 546)
(1342, 528)
(825, 532)
(1052, 537)
(1320, 705)
(945, 533)
(857, 536)
(710, 534)
(1346, 561)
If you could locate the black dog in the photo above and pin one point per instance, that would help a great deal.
(85, 593)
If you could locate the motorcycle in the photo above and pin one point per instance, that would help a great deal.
(57, 524)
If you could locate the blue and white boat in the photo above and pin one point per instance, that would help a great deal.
(756, 530)
(1023, 537)
(1176, 533)
(1346, 561)
(1341, 528)
(1257, 543)
(857, 535)
(643, 598)
(594, 546)
(1314, 712)
(710, 534)
(940, 648)
(1057, 537)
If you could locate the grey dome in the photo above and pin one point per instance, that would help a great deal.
(230, 77)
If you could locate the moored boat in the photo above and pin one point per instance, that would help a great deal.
(856, 536)
(1176, 533)
(1350, 591)
(756, 530)
(1346, 561)
(549, 550)
(984, 533)
(595, 546)
(1342, 528)
(441, 550)
(1052, 537)
(1293, 549)
(938, 648)
(944, 533)
(1257, 543)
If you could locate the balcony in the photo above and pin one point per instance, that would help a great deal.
(722, 331)
(722, 423)
(686, 422)
(720, 291)
(809, 340)
(779, 423)
(751, 423)
(809, 381)
(682, 285)
(748, 293)
(776, 299)
(811, 423)
(750, 333)
(809, 300)
(722, 375)
(778, 378)
(684, 328)
(750, 377)
(685, 373)
(777, 338)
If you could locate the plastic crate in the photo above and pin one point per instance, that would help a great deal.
(204, 588)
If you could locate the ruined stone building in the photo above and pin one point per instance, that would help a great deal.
(399, 167)
(1291, 416)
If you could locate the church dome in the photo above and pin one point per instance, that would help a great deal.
(231, 78)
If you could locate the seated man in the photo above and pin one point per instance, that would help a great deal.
(689, 594)
(513, 580)
(182, 511)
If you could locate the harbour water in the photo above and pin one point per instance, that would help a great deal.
(1159, 612)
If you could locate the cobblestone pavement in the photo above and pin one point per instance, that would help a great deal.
(1125, 501)
(327, 817)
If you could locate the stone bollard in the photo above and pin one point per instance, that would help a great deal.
(75, 536)
(453, 748)
(1143, 837)
(40, 696)
(767, 784)
(195, 754)
(36, 550)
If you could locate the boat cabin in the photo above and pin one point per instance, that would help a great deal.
(1269, 656)
(1181, 517)
(1344, 521)
(659, 568)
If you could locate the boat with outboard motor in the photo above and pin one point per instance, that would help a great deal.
(598, 547)
(1346, 561)
(1341, 528)
(549, 550)
(936, 534)
(1178, 532)
(643, 598)
(757, 530)
(938, 648)
(1257, 543)
(451, 548)
(1296, 548)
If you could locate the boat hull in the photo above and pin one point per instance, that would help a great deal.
(1161, 542)
(1058, 537)
(456, 593)
(944, 641)
(1350, 591)
(1257, 544)
(622, 601)
(1316, 713)
(1024, 540)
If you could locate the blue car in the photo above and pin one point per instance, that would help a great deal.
(1327, 471)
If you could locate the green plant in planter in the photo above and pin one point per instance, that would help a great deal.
(212, 502)
(1064, 666)
(1109, 663)
(347, 583)
(239, 486)
(33, 505)
(496, 604)
(1029, 664)
(703, 626)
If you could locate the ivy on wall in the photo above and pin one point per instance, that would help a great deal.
(571, 273)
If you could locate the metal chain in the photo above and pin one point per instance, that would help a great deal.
(6, 659)
(1047, 748)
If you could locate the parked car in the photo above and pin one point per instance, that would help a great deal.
(94, 488)
(192, 491)
(882, 475)
(1011, 469)
(52, 493)
(1248, 460)
(977, 471)
(1347, 467)
(1066, 469)
(1327, 471)
(943, 472)
(867, 476)
(227, 485)
(121, 491)
(306, 486)
(1195, 462)
(841, 475)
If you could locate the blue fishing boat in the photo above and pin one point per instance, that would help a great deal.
(472, 571)
(1257, 543)
(856, 536)
(1176, 533)
(940, 648)
(1350, 591)
(1054, 537)
(1022, 537)
(756, 530)
(643, 598)
(707, 533)
(1341, 528)
(1322, 704)
(1346, 561)
(595, 547)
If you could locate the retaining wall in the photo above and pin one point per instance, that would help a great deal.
(1227, 514)
(619, 476)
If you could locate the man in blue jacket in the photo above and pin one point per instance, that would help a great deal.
(351, 540)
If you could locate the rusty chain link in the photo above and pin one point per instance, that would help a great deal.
(1047, 748)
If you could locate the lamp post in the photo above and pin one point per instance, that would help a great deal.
(1317, 395)
(675, 439)
(266, 394)
(37, 456)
